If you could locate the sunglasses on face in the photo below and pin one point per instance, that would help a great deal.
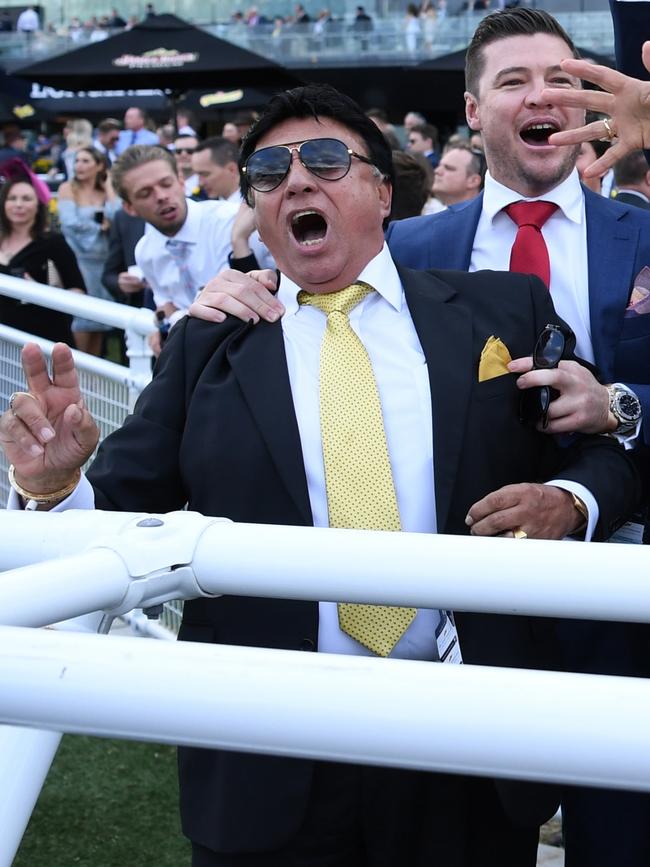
(547, 354)
(327, 158)
(185, 150)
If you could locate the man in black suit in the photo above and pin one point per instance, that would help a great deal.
(230, 425)
(126, 286)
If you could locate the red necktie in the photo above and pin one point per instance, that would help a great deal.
(529, 253)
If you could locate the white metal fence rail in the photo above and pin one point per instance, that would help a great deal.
(110, 390)
(290, 703)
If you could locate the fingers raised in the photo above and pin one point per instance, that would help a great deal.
(35, 367)
(64, 374)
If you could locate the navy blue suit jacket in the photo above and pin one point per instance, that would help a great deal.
(618, 247)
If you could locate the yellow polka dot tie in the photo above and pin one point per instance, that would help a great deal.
(358, 476)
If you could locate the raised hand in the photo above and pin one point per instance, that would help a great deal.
(624, 99)
(47, 434)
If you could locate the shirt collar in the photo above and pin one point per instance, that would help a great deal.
(380, 273)
(568, 196)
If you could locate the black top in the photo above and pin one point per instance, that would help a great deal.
(33, 260)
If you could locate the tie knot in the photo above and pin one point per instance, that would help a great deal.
(343, 301)
(176, 247)
(530, 213)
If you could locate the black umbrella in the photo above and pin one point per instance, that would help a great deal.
(161, 52)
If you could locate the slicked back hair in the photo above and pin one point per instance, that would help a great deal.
(222, 151)
(318, 101)
(134, 156)
(501, 25)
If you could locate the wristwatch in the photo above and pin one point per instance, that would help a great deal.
(625, 406)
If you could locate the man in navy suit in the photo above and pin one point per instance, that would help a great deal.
(596, 249)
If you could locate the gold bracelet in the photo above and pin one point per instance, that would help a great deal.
(581, 507)
(61, 494)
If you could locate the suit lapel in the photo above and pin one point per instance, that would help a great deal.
(611, 248)
(445, 333)
(452, 247)
(260, 366)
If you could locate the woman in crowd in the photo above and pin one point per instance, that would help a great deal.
(87, 205)
(28, 250)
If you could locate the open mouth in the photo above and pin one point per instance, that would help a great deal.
(168, 213)
(537, 134)
(308, 228)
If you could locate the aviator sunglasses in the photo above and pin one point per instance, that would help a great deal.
(327, 158)
(548, 352)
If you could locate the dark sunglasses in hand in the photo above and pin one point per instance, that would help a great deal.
(327, 158)
(548, 352)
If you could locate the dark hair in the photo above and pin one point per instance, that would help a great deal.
(501, 25)
(476, 164)
(222, 150)
(631, 169)
(42, 218)
(109, 124)
(101, 161)
(132, 158)
(413, 179)
(427, 130)
(316, 101)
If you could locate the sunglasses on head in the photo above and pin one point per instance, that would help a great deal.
(327, 158)
(547, 354)
(185, 150)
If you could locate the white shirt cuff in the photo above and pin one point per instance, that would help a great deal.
(587, 498)
(83, 497)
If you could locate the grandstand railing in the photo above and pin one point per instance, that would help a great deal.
(325, 706)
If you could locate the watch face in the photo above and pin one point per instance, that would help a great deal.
(628, 406)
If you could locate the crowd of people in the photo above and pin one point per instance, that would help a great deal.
(86, 211)
(480, 370)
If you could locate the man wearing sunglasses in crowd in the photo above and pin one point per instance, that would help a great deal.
(246, 422)
(598, 271)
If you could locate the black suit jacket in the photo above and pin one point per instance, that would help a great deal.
(217, 429)
(125, 232)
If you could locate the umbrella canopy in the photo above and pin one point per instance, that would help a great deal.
(161, 52)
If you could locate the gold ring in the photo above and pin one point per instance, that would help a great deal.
(16, 394)
(518, 533)
(609, 130)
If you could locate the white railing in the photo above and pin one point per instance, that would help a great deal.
(109, 390)
(330, 707)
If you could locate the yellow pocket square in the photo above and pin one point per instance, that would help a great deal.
(494, 359)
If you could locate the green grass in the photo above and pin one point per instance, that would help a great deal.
(107, 803)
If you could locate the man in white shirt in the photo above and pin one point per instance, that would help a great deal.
(185, 243)
(214, 161)
(458, 177)
(135, 131)
(184, 148)
(28, 21)
(231, 424)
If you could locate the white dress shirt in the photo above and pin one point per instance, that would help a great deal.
(400, 370)
(565, 233)
(207, 229)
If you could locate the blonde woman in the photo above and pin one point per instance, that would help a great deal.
(87, 205)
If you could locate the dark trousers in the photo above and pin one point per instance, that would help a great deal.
(605, 828)
(380, 817)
